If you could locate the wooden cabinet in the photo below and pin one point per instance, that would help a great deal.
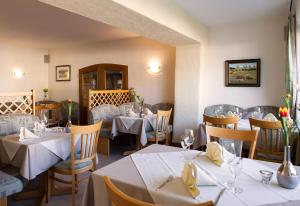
(100, 77)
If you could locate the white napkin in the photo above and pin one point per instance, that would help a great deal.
(131, 113)
(270, 117)
(148, 112)
(26, 134)
(39, 127)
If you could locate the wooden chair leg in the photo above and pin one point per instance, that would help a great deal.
(73, 190)
(3, 201)
(76, 183)
(49, 183)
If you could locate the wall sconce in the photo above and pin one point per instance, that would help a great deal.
(154, 67)
(18, 73)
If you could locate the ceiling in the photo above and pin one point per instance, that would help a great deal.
(219, 12)
(35, 24)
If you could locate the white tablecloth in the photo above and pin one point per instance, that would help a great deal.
(131, 182)
(35, 156)
(134, 125)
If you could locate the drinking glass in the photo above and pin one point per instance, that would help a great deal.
(187, 139)
(237, 112)
(236, 168)
(229, 155)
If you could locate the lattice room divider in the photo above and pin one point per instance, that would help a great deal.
(114, 97)
(17, 102)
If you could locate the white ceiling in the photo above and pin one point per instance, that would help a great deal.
(35, 24)
(220, 12)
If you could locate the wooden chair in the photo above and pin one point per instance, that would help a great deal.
(269, 144)
(221, 121)
(83, 161)
(242, 135)
(118, 198)
(161, 131)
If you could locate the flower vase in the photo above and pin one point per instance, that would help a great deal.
(45, 96)
(142, 112)
(68, 125)
(287, 176)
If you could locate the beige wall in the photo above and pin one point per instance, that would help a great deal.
(30, 61)
(262, 39)
(134, 52)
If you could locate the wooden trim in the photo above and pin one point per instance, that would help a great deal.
(98, 97)
(11, 102)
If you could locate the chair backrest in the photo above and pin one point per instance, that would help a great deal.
(269, 138)
(118, 198)
(162, 121)
(52, 112)
(242, 135)
(221, 121)
(89, 136)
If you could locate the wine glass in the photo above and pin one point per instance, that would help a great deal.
(229, 155)
(236, 168)
(237, 112)
(187, 139)
(219, 111)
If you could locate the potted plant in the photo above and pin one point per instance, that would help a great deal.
(287, 176)
(45, 90)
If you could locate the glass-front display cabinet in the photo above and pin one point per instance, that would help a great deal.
(100, 77)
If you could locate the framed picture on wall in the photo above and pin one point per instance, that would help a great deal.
(63, 73)
(242, 73)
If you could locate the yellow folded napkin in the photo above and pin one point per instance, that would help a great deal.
(214, 153)
(229, 114)
(26, 134)
(189, 177)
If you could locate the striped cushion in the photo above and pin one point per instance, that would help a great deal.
(9, 185)
(105, 132)
(66, 165)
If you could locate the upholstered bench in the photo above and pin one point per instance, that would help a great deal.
(9, 185)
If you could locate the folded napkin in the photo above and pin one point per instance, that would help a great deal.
(131, 113)
(214, 153)
(148, 112)
(189, 177)
(26, 134)
(270, 117)
(39, 127)
(229, 114)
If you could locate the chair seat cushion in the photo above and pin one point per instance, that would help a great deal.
(152, 134)
(9, 185)
(105, 132)
(66, 165)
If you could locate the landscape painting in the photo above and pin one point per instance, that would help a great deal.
(242, 73)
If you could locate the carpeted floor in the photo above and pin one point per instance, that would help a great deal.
(65, 200)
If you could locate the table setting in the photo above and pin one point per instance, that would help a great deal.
(35, 151)
(172, 176)
(134, 122)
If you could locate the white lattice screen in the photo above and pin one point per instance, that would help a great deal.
(115, 97)
(17, 102)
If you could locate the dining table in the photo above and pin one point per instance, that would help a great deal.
(135, 125)
(146, 169)
(244, 124)
(34, 157)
